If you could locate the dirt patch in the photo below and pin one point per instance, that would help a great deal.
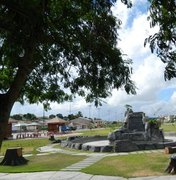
(141, 173)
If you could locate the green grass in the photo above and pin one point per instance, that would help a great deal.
(29, 145)
(135, 165)
(169, 127)
(52, 162)
(94, 132)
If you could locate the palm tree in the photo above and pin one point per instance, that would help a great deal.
(128, 109)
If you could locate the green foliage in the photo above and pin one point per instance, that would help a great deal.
(154, 122)
(163, 15)
(74, 116)
(60, 116)
(17, 117)
(129, 109)
(27, 116)
(30, 116)
(51, 116)
(128, 3)
(47, 47)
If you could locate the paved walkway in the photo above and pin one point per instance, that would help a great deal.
(65, 175)
(83, 164)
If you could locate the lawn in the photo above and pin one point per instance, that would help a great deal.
(133, 165)
(94, 132)
(52, 162)
(29, 145)
(169, 127)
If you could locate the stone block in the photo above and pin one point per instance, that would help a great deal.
(85, 147)
(149, 146)
(137, 136)
(72, 145)
(64, 143)
(125, 146)
(78, 146)
(159, 146)
(106, 149)
(94, 148)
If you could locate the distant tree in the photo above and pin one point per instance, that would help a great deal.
(51, 116)
(115, 122)
(70, 117)
(162, 14)
(52, 50)
(129, 109)
(29, 116)
(79, 114)
(17, 117)
(60, 116)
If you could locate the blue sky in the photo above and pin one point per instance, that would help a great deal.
(154, 95)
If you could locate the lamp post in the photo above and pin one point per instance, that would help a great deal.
(43, 117)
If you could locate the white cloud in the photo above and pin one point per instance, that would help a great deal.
(27, 108)
(173, 97)
(121, 12)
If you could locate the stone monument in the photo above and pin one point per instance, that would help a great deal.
(136, 133)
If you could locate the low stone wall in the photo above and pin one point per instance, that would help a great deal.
(78, 142)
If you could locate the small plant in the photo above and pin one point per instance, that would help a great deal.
(154, 122)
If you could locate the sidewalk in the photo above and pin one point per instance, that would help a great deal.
(64, 175)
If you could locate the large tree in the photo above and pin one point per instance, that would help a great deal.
(162, 14)
(51, 50)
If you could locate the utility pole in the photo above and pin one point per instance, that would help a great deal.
(98, 113)
(89, 110)
(43, 117)
(109, 114)
(70, 106)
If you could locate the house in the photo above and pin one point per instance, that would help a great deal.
(33, 126)
(98, 123)
(81, 123)
(55, 124)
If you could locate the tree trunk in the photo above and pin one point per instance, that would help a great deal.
(5, 109)
(170, 150)
(171, 168)
(8, 99)
(13, 157)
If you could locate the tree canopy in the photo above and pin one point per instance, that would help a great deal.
(162, 13)
(51, 50)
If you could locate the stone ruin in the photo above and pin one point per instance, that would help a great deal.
(137, 134)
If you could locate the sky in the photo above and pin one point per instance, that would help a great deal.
(155, 96)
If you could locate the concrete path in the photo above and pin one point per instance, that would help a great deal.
(83, 164)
